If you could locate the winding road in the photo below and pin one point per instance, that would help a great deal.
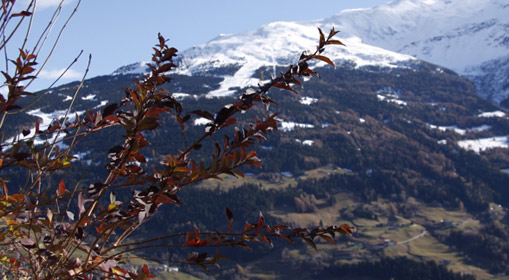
(413, 238)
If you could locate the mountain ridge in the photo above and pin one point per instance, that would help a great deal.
(444, 32)
(460, 35)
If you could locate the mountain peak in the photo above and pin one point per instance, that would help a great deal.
(275, 44)
(463, 35)
(446, 32)
(467, 36)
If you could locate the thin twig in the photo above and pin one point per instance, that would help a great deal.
(71, 103)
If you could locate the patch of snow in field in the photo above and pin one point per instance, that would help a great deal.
(393, 100)
(389, 91)
(242, 78)
(308, 142)
(478, 145)
(446, 128)
(180, 95)
(481, 128)
(289, 126)
(81, 156)
(67, 98)
(494, 114)
(362, 120)
(399, 102)
(201, 121)
(308, 100)
(442, 142)
(46, 118)
(305, 142)
(458, 130)
(89, 97)
(103, 103)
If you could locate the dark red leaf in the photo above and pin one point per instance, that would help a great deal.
(226, 112)
(108, 110)
(335, 42)
(148, 123)
(249, 227)
(285, 237)
(61, 187)
(112, 118)
(203, 114)
(229, 217)
(324, 59)
(155, 111)
(22, 14)
(283, 86)
(140, 158)
(328, 238)
(146, 272)
(229, 121)
(332, 33)
(310, 242)
(201, 257)
(261, 221)
(346, 229)
(163, 198)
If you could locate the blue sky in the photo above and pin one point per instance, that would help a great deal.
(120, 32)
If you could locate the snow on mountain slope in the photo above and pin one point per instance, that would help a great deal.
(469, 36)
(134, 68)
(274, 44)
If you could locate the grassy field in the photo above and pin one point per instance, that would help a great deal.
(398, 235)
(395, 238)
(227, 181)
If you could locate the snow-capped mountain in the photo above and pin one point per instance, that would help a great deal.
(470, 37)
(274, 44)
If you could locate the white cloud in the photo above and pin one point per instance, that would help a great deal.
(53, 74)
(41, 4)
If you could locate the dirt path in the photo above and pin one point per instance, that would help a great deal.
(413, 238)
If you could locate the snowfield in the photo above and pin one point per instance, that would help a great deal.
(479, 145)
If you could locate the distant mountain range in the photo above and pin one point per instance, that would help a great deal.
(470, 37)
